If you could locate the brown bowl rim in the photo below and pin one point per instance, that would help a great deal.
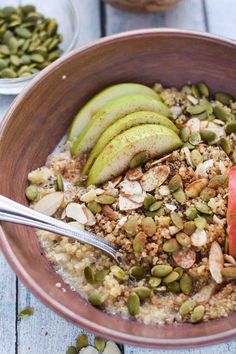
(29, 281)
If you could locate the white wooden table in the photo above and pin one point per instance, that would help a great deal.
(45, 332)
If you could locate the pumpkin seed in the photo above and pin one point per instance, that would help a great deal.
(52, 27)
(101, 274)
(105, 199)
(226, 245)
(197, 109)
(156, 206)
(191, 213)
(154, 282)
(180, 271)
(189, 227)
(148, 201)
(94, 207)
(174, 287)
(3, 64)
(137, 272)
(142, 292)
(97, 299)
(152, 214)
(173, 276)
(34, 16)
(197, 313)
(139, 242)
(37, 58)
(187, 307)
(229, 273)
(224, 98)
(218, 181)
(171, 246)
(149, 226)
(230, 127)
(60, 183)
(23, 32)
(131, 225)
(99, 344)
(226, 145)
(186, 284)
(203, 208)
(207, 105)
(175, 183)
(203, 116)
(54, 43)
(184, 134)
(8, 73)
(203, 89)
(180, 196)
(207, 193)
(71, 350)
(26, 312)
(31, 192)
(196, 157)
(200, 222)
(118, 273)
(195, 138)
(4, 49)
(208, 136)
(177, 220)
(161, 270)
(139, 159)
(195, 91)
(89, 275)
(27, 8)
(53, 55)
(183, 239)
(221, 113)
(133, 304)
(81, 341)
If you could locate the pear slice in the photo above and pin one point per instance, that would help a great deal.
(103, 97)
(111, 112)
(123, 124)
(116, 156)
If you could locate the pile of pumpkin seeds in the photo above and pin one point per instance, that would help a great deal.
(29, 41)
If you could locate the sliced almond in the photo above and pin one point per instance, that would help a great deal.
(199, 238)
(111, 348)
(194, 189)
(176, 111)
(116, 181)
(76, 225)
(127, 204)
(187, 156)
(192, 99)
(229, 259)
(204, 295)
(219, 221)
(154, 177)
(49, 204)
(122, 221)
(89, 216)
(185, 257)
(171, 207)
(110, 213)
(193, 124)
(216, 262)
(164, 190)
(89, 350)
(203, 167)
(138, 198)
(134, 174)
(130, 188)
(173, 230)
(89, 196)
(76, 212)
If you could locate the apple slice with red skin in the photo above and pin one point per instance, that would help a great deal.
(231, 212)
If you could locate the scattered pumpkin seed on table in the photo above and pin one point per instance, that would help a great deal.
(81, 341)
(27, 36)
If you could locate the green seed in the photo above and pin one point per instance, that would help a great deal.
(26, 312)
(31, 192)
(99, 344)
(200, 222)
(154, 282)
(203, 116)
(4, 49)
(186, 284)
(131, 225)
(133, 304)
(118, 273)
(203, 208)
(171, 246)
(139, 242)
(175, 183)
(180, 196)
(13, 45)
(184, 134)
(97, 299)
(221, 113)
(52, 27)
(230, 127)
(197, 314)
(8, 73)
(226, 145)
(207, 193)
(60, 183)
(94, 207)
(149, 226)
(156, 206)
(174, 287)
(189, 146)
(25, 59)
(196, 157)
(23, 32)
(71, 350)
(189, 227)
(203, 89)
(177, 219)
(139, 159)
(195, 138)
(218, 181)
(27, 8)
(208, 136)
(37, 58)
(34, 16)
(161, 270)
(81, 341)
(148, 201)
(180, 271)
(105, 199)
(137, 272)
(194, 110)
(226, 245)
(3, 64)
(187, 307)
(152, 214)
(207, 105)
(89, 275)
(224, 98)
(195, 91)
(191, 213)
(173, 276)
(101, 274)
(15, 60)
(142, 292)
(53, 55)
(183, 239)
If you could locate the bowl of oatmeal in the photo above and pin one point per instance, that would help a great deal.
(144, 159)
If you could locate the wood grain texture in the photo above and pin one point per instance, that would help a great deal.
(187, 14)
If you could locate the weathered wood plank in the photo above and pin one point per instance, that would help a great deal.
(221, 17)
(7, 308)
(89, 11)
(188, 14)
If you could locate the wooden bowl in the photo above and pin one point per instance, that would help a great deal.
(41, 115)
(143, 5)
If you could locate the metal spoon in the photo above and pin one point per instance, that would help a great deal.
(14, 212)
